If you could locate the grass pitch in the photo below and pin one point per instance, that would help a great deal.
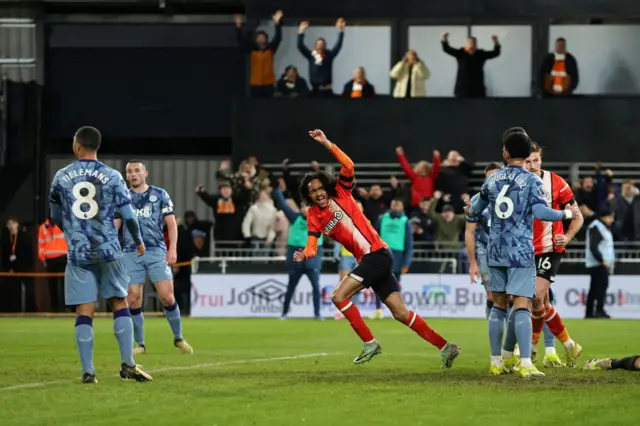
(300, 372)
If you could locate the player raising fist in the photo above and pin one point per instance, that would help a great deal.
(334, 212)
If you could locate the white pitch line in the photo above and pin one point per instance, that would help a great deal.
(177, 368)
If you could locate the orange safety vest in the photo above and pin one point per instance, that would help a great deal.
(51, 242)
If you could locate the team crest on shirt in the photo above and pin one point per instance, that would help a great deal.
(153, 198)
(337, 216)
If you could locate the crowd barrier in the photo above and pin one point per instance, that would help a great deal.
(431, 295)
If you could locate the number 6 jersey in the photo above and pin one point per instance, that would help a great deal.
(512, 192)
(89, 193)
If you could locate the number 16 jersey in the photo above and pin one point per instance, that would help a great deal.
(512, 192)
(88, 193)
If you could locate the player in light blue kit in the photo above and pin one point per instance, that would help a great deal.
(476, 238)
(514, 197)
(154, 209)
(83, 200)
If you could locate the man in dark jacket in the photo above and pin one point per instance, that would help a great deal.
(470, 78)
(321, 59)
(454, 179)
(559, 71)
(358, 86)
(229, 208)
(263, 79)
(16, 256)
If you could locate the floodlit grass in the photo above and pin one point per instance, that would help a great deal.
(300, 372)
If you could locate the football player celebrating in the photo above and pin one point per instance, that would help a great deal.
(549, 242)
(334, 212)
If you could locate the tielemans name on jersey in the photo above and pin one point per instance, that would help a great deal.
(74, 173)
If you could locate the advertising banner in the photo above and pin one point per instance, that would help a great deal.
(430, 295)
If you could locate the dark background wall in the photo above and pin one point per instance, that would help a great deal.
(142, 82)
(577, 129)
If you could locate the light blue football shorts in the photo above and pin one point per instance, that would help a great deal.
(153, 263)
(81, 282)
(513, 281)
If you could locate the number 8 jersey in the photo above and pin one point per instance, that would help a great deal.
(89, 193)
(512, 192)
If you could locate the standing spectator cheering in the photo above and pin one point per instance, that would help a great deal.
(470, 78)
(229, 208)
(422, 177)
(559, 71)
(376, 201)
(448, 225)
(454, 179)
(410, 75)
(321, 59)
(258, 224)
(262, 51)
(291, 85)
(358, 87)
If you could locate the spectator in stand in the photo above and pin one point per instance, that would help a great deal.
(559, 71)
(358, 86)
(262, 80)
(199, 240)
(257, 226)
(622, 207)
(260, 171)
(182, 274)
(587, 198)
(16, 255)
(291, 85)
(423, 225)
(410, 75)
(246, 177)
(204, 229)
(632, 218)
(52, 251)
(229, 208)
(376, 201)
(422, 176)
(470, 78)
(321, 59)
(297, 241)
(454, 179)
(448, 225)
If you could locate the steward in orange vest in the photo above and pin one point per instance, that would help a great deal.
(51, 242)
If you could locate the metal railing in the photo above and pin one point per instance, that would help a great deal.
(380, 173)
(223, 262)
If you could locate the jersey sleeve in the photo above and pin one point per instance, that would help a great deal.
(166, 205)
(314, 233)
(121, 195)
(55, 191)
(565, 194)
(537, 192)
(345, 182)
